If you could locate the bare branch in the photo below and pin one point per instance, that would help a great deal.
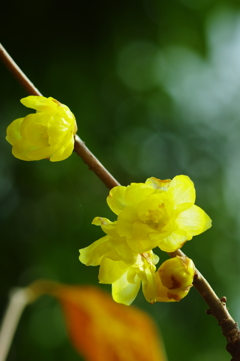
(94, 164)
(17, 72)
(218, 309)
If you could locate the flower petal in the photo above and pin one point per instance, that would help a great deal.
(194, 221)
(137, 192)
(93, 254)
(20, 149)
(116, 199)
(64, 152)
(39, 103)
(173, 242)
(141, 230)
(34, 126)
(158, 183)
(125, 222)
(107, 226)
(149, 288)
(59, 127)
(122, 249)
(141, 245)
(13, 131)
(125, 292)
(182, 192)
(40, 153)
(99, 221)
(110, 271)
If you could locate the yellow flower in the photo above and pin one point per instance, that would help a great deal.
(158, 213)
(174, 279)
(154, 213)
(127, 270)
(120, 266)
(48, 133)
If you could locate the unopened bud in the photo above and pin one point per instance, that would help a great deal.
(177, 273)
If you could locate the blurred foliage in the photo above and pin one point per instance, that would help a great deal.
(155, 87)
(101, 329)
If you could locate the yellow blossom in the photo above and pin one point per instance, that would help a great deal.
(127, 270)
(48, 133)
(155, 213)
(120, 266)
(158, 213)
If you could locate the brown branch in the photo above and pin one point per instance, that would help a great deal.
(217, 307)
(17, 72)
(94, 164)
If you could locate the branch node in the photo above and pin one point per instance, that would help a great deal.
(223, 300)
(224, 320)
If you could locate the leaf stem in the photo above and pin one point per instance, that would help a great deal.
(217, 307)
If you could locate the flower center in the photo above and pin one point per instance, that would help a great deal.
(155, 215)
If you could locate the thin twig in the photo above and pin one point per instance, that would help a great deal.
(217, 307)
(94, 164)
(19, 299)
(17, 72)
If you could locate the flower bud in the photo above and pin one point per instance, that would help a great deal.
(46, 134)
(176, 274)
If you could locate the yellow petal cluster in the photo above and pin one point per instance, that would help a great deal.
(119, 266)
(46, 134)
(157, 213)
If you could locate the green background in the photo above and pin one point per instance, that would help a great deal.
(155, 88)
